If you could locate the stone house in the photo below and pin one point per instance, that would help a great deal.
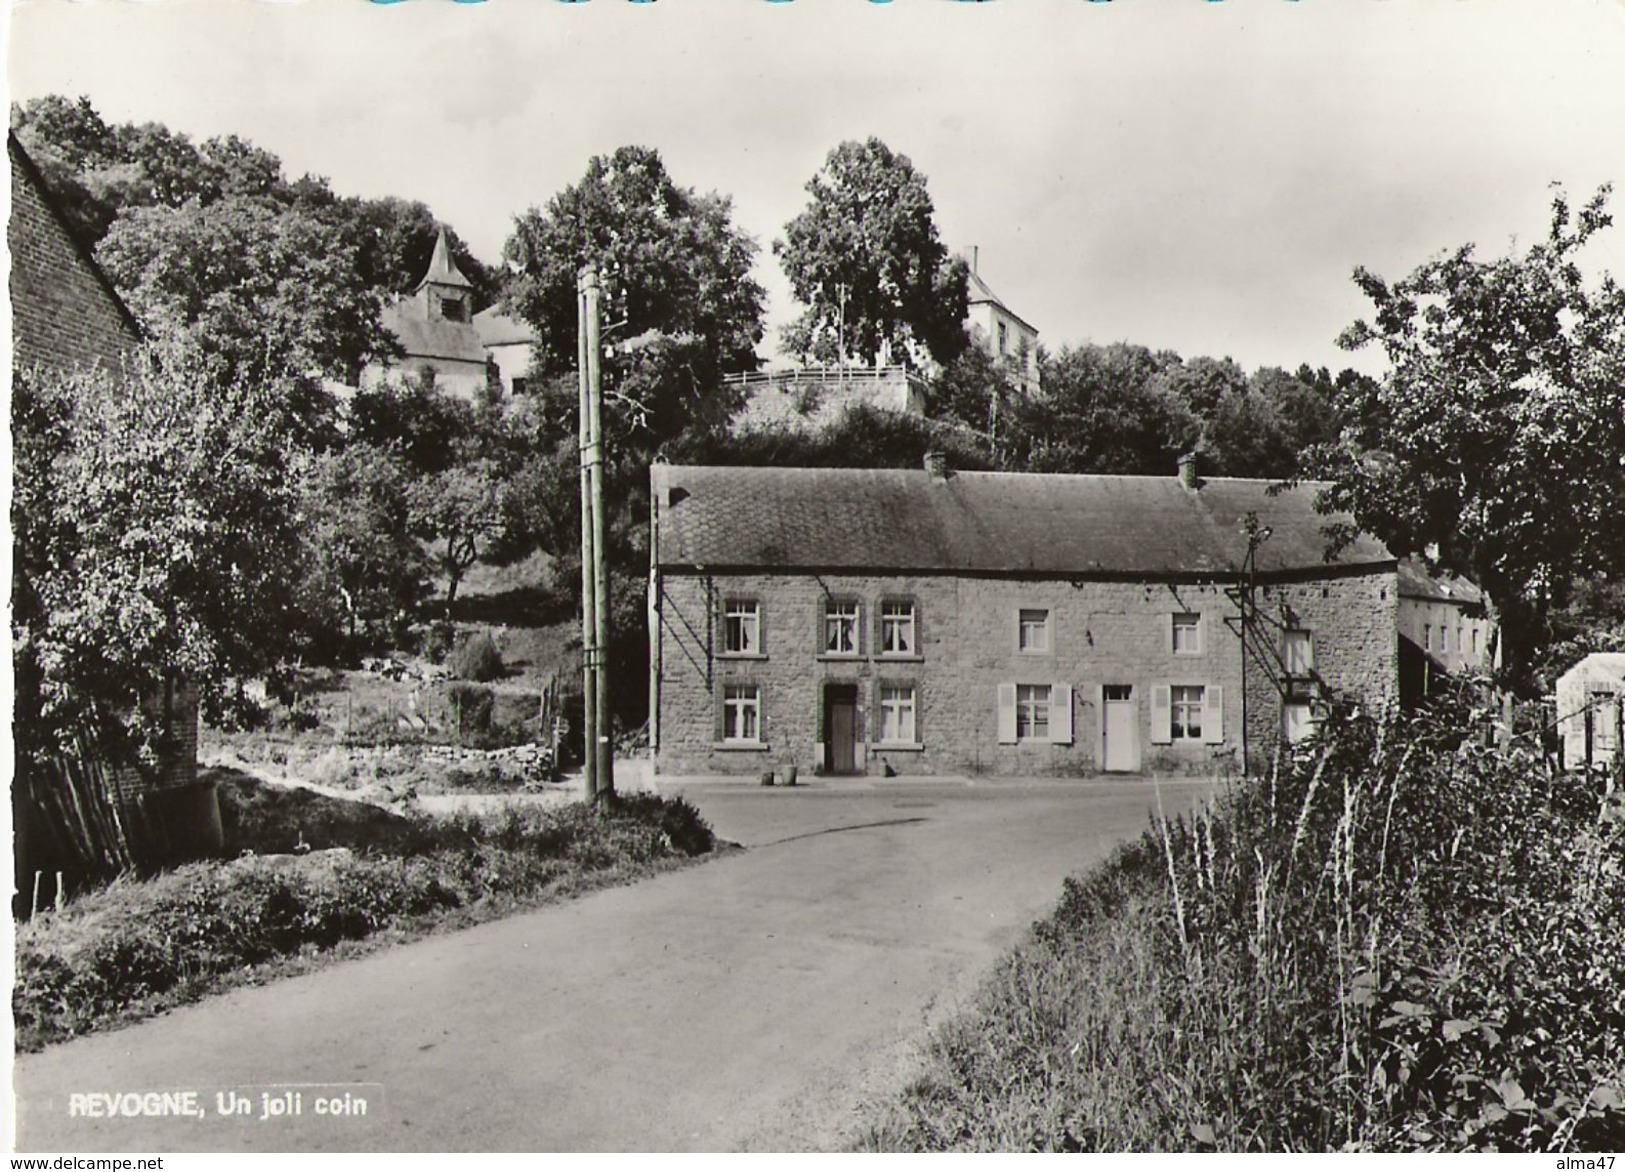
(510, 343)
(996, 328)
(67, 317)
(941, 622)
(435, 327)
(1591, 710)
(1446, 628)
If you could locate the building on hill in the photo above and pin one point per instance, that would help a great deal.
(67, 318)
(1591, 710)
(993, 326)
(934, 622)
(1446, 629)
(510, 343)
(435, 327)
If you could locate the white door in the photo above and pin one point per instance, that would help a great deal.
(1122, 734)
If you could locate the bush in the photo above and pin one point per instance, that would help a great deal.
(477, 659)
(134, 948)
(471, 708)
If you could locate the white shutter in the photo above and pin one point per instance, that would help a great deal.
(1100, 726)
(1213, 715)
(1007, 714)
(1162, 715)
(1060, 715)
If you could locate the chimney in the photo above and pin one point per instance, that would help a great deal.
(1188, 477)
(936, 463)
(975, 255)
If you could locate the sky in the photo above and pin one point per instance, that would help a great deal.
(1184, 174)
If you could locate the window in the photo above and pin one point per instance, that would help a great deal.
(742, 627)
(741, 712)
(1604, 716)
(1461, 640)
(1004, 338)
(1033, 633)
(1187, 634)
(1032, 712)
(1475, 638)
(897, 628)
(520, 384)
(1427, 636)
(840, 628)
(1298, 653)
(1187, 712)
(897, 715)
(451, 308)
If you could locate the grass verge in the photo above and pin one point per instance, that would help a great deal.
(138, 947)
(1400, 941)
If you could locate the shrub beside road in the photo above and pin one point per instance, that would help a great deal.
(354, 875)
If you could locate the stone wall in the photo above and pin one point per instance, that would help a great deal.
(1100, 633)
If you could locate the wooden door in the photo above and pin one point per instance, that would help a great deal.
(1122, 732)
(841, 728)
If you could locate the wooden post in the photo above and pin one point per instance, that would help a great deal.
(587, 313)
(604, 790)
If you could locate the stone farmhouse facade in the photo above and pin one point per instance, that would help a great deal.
(939, 622)
(67, 317)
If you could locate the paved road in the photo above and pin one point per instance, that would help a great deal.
(756, 1002)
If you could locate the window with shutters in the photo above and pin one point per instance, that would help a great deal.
(1427, 636)
(1032, 631)
(1604, 719)
(1297, 654)
(897, 628)
(840, 628)
(1032, 712)
(742, 713)
(1187, 634)
(742, 627)
(1185, 717)
(897, 715)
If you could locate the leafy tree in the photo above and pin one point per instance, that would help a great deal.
(365, 571)
(1103, 409)
(1496, 437)
(264, 289)
(681, 307)
(866, 261)
(155, 537)
(979, 391)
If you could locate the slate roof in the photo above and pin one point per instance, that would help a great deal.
(985, 522)
(496, 328)
(1416, 582)
(422, 338)
(443, 269)
(979, 291)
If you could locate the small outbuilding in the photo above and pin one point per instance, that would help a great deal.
(1591, 709)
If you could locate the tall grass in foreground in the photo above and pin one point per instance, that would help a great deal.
(1399, 940)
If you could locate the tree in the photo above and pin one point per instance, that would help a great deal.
(977, 390)
(264, 289)
(155, 537)
(865, 259)
(1102, 409)
(1498, 436)
(680, 309)
(364, 569)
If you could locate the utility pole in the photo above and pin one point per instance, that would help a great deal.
(587, 311)
(599, 749)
